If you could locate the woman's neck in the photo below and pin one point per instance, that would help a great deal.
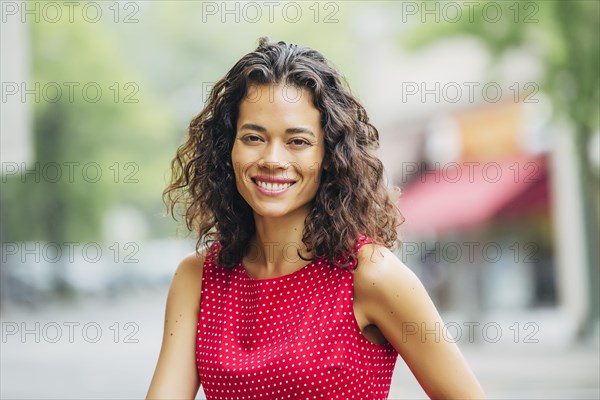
(274, 248)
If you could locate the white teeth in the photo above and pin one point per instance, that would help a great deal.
(273, 187)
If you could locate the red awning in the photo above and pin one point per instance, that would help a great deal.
(463, 195)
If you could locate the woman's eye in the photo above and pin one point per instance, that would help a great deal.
(299, 142)
(251, 139)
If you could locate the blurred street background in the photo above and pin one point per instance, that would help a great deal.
(118, 362)
(488, 115)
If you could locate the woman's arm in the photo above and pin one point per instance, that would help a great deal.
(392, 298)
(176, 374)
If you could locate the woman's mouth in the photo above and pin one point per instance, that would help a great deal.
(272, 187)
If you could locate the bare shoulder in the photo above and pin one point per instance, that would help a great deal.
(382, 281)
(187, 279)
(379, 268)
(192, 265)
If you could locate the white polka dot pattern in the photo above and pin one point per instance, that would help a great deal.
(290, 337)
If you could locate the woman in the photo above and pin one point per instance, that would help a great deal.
(298, 296)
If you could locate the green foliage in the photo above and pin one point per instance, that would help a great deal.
(165, 63)
(101, 131)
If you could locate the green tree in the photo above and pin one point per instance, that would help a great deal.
(122, 131)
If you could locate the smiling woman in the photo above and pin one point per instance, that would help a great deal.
(292, 291)
(277, 161)
(291, 89)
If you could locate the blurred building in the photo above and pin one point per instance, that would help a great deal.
(483, 227)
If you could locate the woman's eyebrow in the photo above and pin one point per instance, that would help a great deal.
(289, 131)
(299, 130)
(253, 127)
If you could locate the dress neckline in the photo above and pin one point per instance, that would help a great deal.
(276, 278)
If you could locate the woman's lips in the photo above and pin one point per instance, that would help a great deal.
(272, 188)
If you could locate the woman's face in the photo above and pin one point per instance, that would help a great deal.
(278, 149)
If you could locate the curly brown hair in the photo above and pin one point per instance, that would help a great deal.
(352, 198)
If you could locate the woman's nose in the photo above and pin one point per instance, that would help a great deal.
(273, 156)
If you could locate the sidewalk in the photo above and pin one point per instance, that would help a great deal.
(543, 373)
(113, 345)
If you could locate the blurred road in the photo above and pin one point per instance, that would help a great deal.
(107, 348)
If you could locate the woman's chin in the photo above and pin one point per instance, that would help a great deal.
(271, 213)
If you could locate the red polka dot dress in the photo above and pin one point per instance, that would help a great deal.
(289, 337)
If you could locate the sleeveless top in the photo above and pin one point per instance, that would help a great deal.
(289, 337)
